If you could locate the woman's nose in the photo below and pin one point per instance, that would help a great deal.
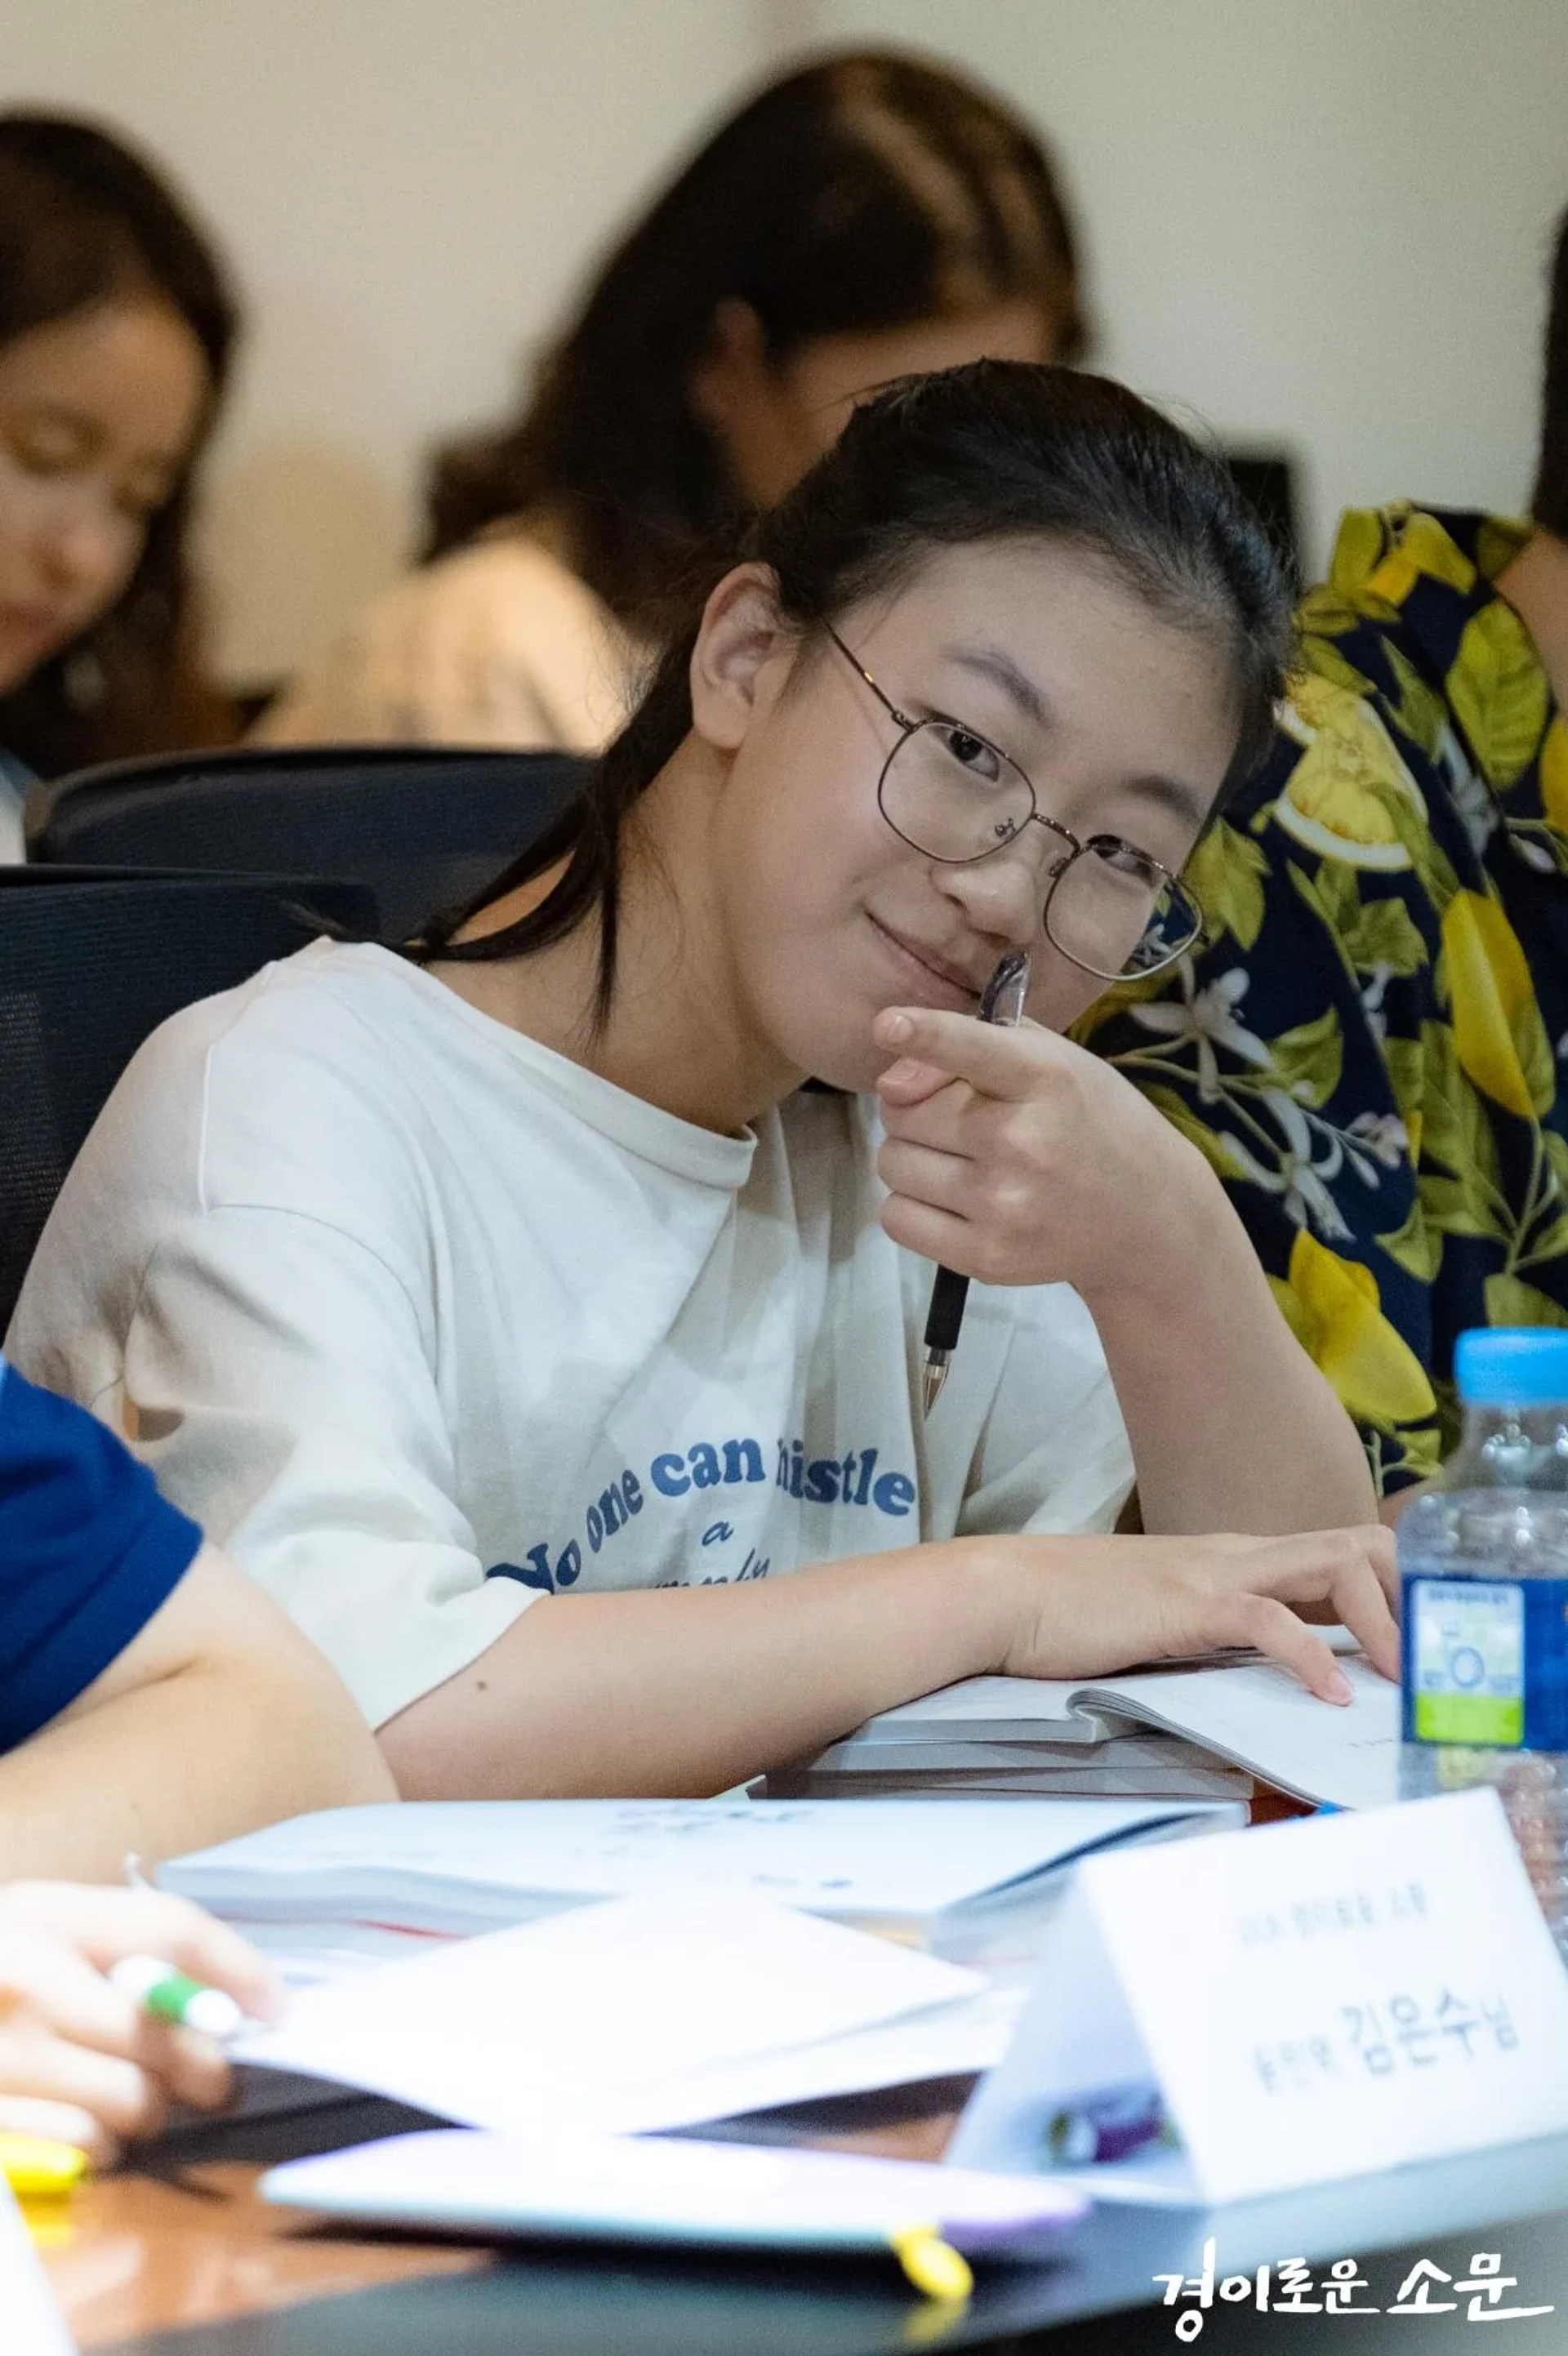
(1004, 894)
(83, 549)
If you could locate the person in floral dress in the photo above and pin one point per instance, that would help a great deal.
(1372, 1046)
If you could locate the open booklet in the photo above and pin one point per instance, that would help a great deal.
(1239, 1714)
(974, 1883)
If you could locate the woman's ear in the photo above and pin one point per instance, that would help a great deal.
(742, 636)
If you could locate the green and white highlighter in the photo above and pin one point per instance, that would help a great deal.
(166, 1992)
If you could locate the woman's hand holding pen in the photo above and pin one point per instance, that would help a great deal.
(1014, 1156)
(81, 2061)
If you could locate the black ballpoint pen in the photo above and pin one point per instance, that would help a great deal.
(1003, 1002)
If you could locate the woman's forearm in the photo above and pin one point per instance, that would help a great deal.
(195, 1757)
(687, 1690)
(1233, 1426)
(684, 1690)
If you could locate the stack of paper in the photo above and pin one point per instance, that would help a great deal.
(973, 1882)
(1201, 1732)
(1077, 1756)
(642, 2014)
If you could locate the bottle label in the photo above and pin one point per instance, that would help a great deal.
(1487, 1662)
(1466, 1658)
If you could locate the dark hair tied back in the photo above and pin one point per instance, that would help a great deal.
(995, 451)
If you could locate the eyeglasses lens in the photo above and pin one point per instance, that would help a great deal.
(1118, 914)
(1110, 909)
(952, 795)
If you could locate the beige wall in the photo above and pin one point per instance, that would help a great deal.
(1321, 223)
(408, 189)
(1323, 226)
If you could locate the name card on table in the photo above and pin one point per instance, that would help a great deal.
(30, 2321)
(1311, 2001)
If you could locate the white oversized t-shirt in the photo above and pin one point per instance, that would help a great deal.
(423, 1321)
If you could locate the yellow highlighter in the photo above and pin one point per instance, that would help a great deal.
(36, 2167)
(932, 2264)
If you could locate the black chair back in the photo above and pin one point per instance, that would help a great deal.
(424, 827)
(89, 967)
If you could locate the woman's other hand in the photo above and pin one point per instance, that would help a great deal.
(80, 2060)
(1089, 1606)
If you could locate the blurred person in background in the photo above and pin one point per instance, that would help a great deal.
(865, 218)
(1373, 1051)
(116, 329)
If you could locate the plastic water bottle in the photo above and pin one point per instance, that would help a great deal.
(1484, 1574)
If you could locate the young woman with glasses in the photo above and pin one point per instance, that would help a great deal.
(519, 1315)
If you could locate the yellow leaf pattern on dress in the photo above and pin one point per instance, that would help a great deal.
(1340, 794)
(1497, 1032)
(1368, 1049)
(1335, 1314)
(1500, 694)
(1422, 547)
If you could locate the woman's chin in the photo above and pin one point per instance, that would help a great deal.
(855, 1070)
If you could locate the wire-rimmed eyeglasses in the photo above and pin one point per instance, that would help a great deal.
(1111, 909)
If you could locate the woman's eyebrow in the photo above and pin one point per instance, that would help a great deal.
(1182, 800)
(82, 432)
(52, 412)
(997, 665)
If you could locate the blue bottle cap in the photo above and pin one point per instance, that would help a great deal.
(1513, 1365)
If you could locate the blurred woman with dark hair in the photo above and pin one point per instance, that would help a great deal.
(115, 334)
(866, 218)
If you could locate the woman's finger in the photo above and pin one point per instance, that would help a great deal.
(1382, 1552)
(935, 1235)
(1352, 1572)
(999, 1059)
(44, 1980)
(909, 1082)
(59, 2123)
(1301, 1564)
(46, 1988)
(52, 1999)
(51, 2068)
(1360, 1603)
(926, 1176)
(955, 1121)
(106, 1924)
(190, 2067)
(1272, 1627)
(1344, 1569)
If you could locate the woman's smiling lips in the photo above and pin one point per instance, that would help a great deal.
(929, 980)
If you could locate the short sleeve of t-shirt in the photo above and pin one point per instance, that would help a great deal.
(89, 1550)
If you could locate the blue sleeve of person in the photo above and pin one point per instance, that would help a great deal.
(89, 1551)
